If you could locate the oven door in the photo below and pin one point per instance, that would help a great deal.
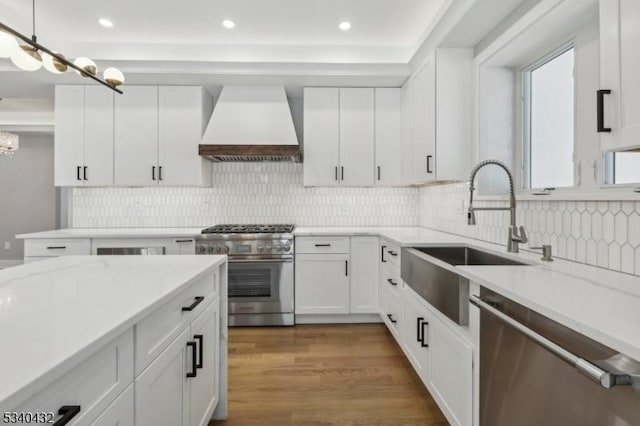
(260, 286)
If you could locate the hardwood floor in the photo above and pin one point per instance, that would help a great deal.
(324, 375)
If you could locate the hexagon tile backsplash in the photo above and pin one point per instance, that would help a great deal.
(599, 233)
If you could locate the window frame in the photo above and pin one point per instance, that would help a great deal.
(525, 75)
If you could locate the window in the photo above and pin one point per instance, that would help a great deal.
(548, 121)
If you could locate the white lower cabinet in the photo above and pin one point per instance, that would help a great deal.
(120, 413)
(322, 284)
(441, 356)
(364, 275)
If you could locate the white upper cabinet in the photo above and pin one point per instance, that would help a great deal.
(436, 119)
(183, 114)
(83, 136)
(136, 137)
(619, 114)
(388, 148)
(356, 137)
(321, 136)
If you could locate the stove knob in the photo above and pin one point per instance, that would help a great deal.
(211, 249)
(287, 247)
(218, 248)
(267, 247)
(260, 249)
(277, 248)
(202, 249)
(225, 248)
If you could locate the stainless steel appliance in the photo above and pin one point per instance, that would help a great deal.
(131, 251)
(534, 371)
(260, 273)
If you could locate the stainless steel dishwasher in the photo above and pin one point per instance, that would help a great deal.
(534, 371)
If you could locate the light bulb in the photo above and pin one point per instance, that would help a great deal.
(87, 65)
(26, 58)
(52, 64)
(113, 76)
(8, 45)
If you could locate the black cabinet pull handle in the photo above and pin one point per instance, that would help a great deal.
(392, 253)
(342, 173)
(601, 128)
(85, 172)
(346, 268)
(153, 173)
(429, 157)
(56, 247)
(323, 245)
(392, 282)
(382, 249)
(183, 241)
(160, 173)
(78, 173)
(391, 318)
(378, 172)
(422, 342)
(195, 303)
(194, 370)
(200, 339)
(336, 172)
(67, 412)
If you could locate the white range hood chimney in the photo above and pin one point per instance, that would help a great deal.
(251, 124)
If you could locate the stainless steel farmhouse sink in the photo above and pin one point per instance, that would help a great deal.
(443, 288)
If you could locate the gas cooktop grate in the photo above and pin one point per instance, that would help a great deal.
(248, 229)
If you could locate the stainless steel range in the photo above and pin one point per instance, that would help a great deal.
(260, 271)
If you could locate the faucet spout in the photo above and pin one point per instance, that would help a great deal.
(515, 236)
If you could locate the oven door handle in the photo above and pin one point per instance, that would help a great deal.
(260, 260)
(593, 372)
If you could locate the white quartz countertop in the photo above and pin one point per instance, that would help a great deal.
(114, 233)
(55, 312)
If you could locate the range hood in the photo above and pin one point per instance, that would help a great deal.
(251, 124)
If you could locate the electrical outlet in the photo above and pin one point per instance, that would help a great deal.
(7, 245)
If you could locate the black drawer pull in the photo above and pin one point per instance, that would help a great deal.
(421, 324)
(200, 339)
(391, 318)
(429, 157)
(84, 173)
(600, 111)
(392, 282)
(195, 303)
(56, 247)
(392, 253)
(346, 268)
(183, 241)
(194, 370)
(67, 412)
(382, 249)
(323, 245)
(78, 173)
(160, 173)
(153, 172)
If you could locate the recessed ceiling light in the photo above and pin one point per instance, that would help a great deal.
(105, 22)
(345, 25)
(228, 23)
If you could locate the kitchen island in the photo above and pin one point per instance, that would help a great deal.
(131, 339)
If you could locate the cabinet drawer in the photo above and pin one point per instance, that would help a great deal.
(390, 253)
(157, 330)
(311, 245)
(392, 311)
(53, 248)
(93, 384)
(390, 278)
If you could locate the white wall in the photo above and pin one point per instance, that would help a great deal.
(27, 195)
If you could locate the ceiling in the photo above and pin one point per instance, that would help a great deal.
(383, 31)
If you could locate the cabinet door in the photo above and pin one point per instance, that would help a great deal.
(69, 135)
(406, 132)
(450, 373)
(423, 123)
(388, 131)
(322, 284)
(415, 334)
(619, 70)
(119, 413)
(356, 137)
(180, 133)
(98, 158)
(136, 136)
(364, 275)
(321, 136)
(205, 330)
(162, 390)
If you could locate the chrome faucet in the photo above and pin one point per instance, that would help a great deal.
(515, 237)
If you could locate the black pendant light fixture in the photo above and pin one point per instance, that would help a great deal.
(32, 56)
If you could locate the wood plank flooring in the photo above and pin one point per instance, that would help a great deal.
(323, 375)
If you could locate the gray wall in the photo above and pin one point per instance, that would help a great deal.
(27, 194)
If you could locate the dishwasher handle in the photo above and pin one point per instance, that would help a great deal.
(593, 372)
